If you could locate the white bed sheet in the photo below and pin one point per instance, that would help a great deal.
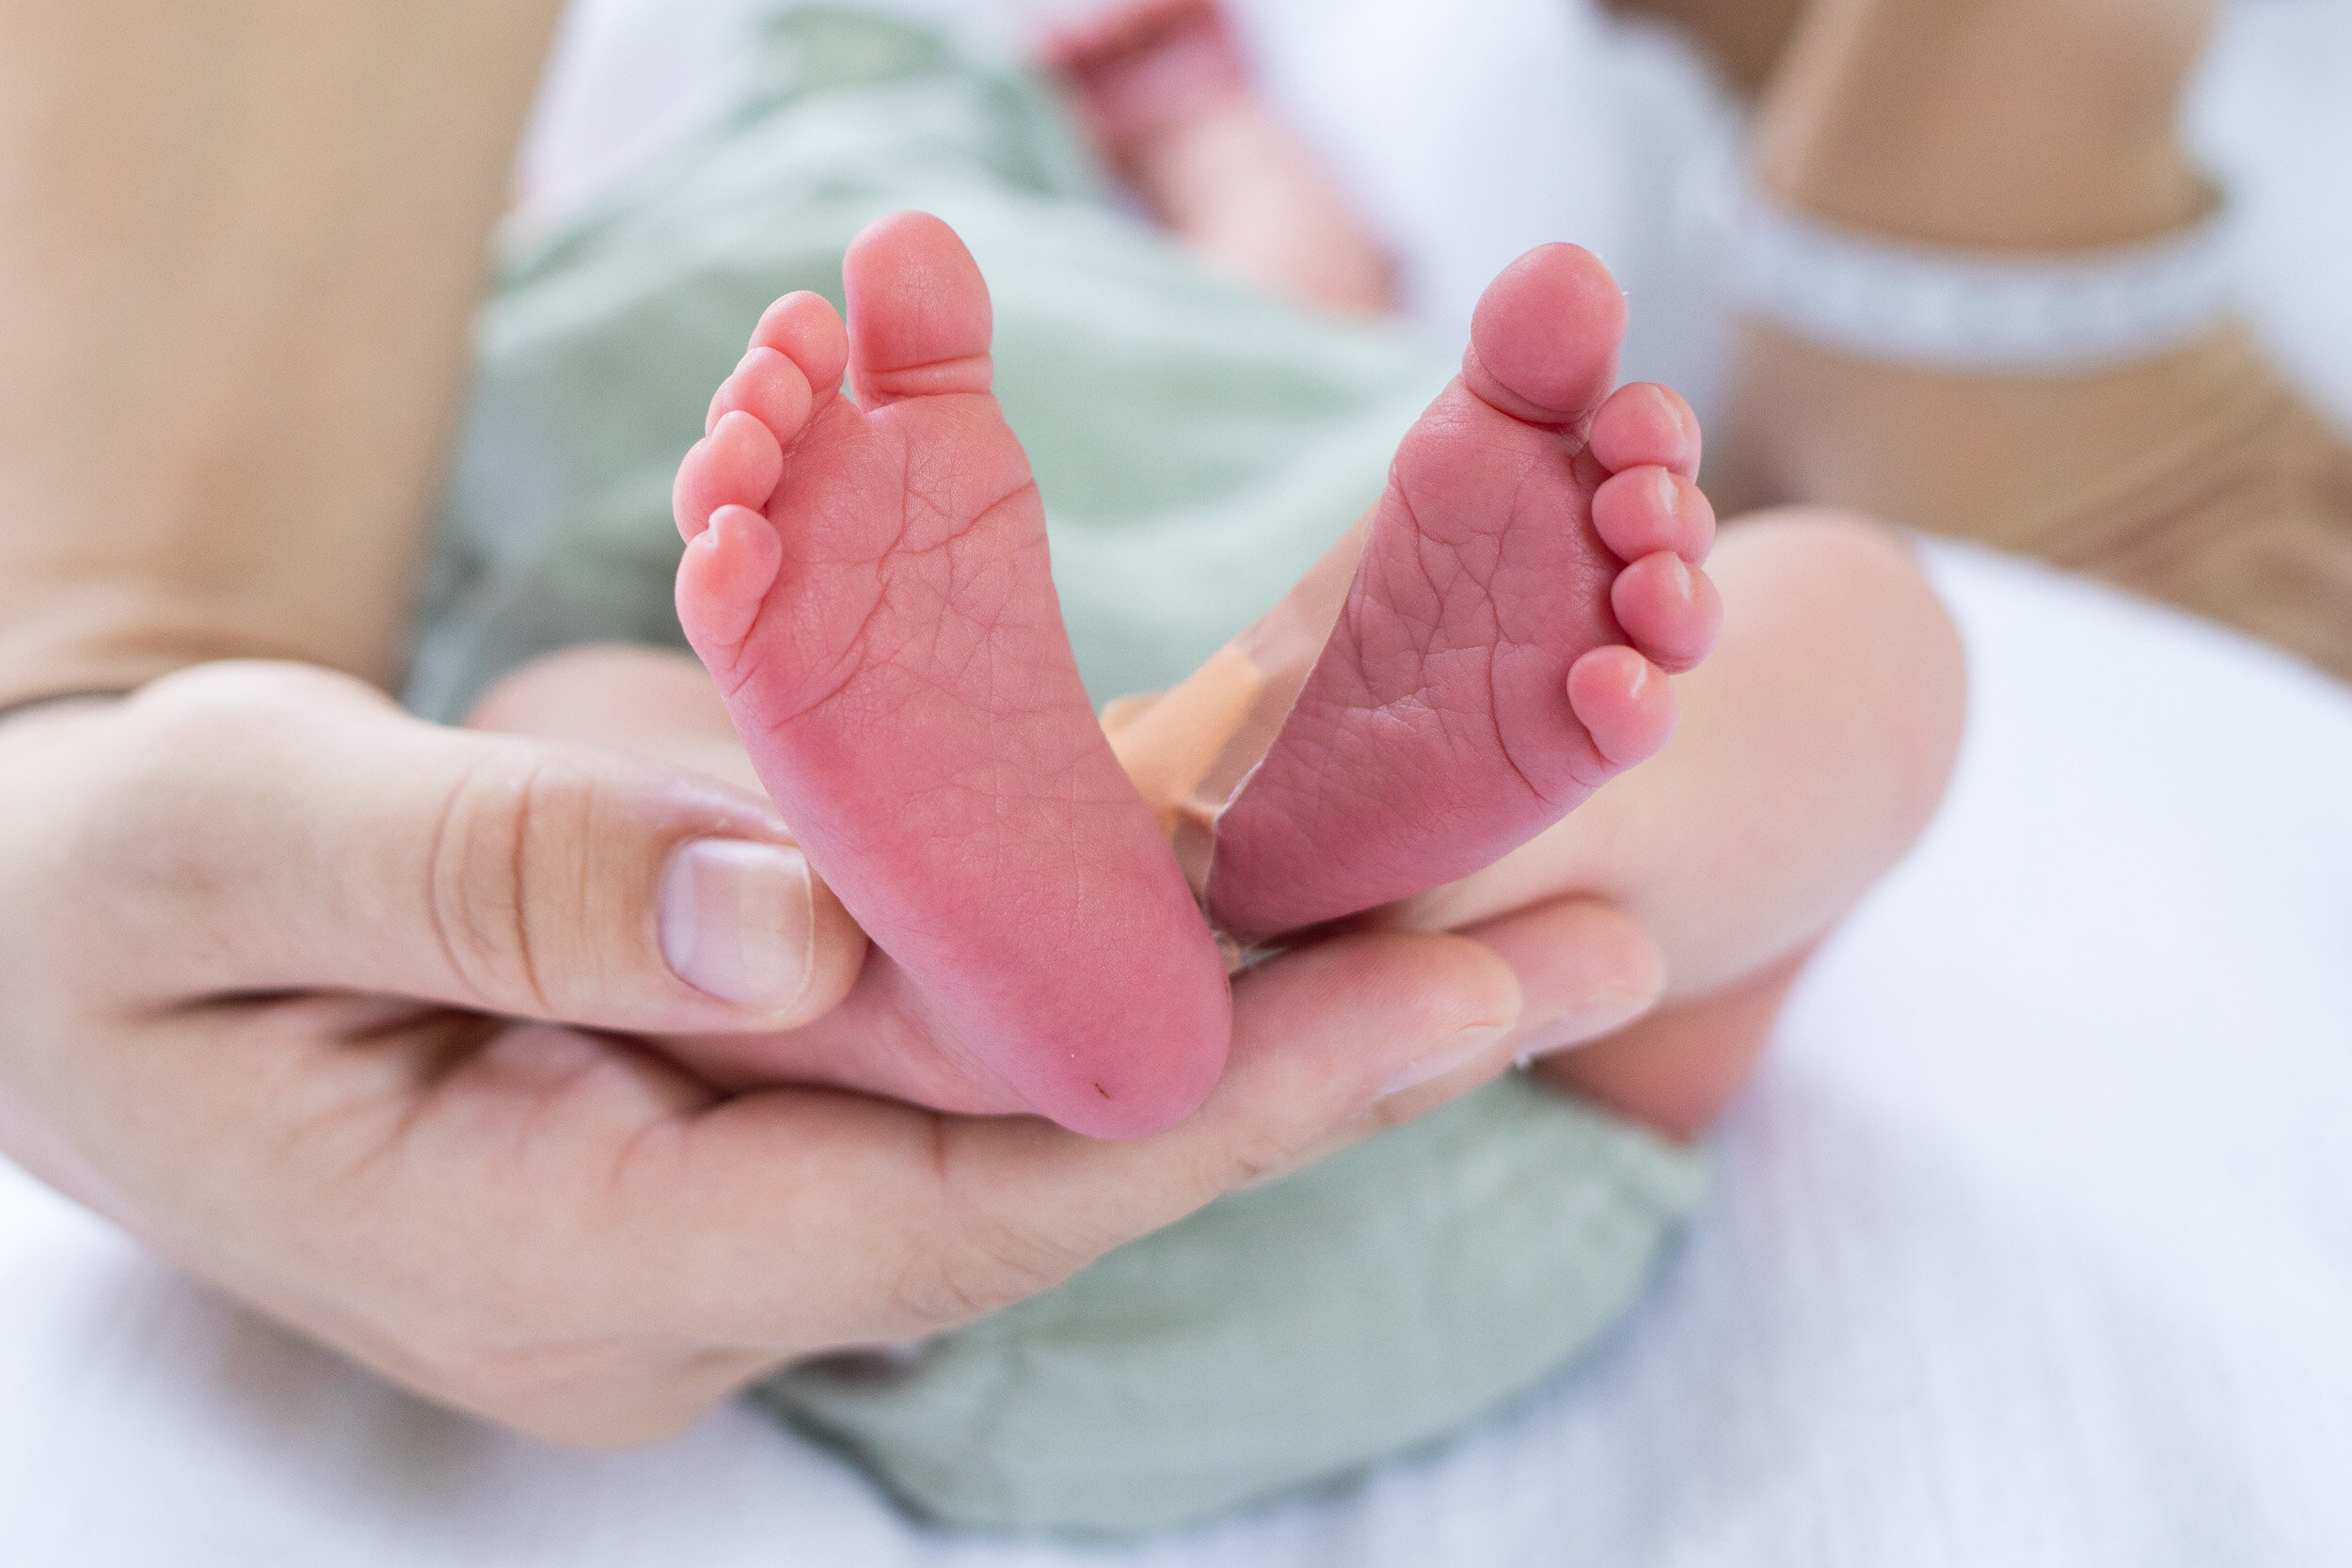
(2033, 1245)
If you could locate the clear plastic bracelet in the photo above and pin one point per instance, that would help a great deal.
(1987, 311)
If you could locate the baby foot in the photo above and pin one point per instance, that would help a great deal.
(1526, 581)
(867, 583)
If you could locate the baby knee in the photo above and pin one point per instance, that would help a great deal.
(1877, 616)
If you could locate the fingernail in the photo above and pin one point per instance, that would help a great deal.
(737, 919)
(1582, 1021)
(1456, 1051)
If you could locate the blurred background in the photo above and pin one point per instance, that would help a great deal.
(1449, 122)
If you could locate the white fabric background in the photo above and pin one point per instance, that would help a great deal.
(2034, 1241)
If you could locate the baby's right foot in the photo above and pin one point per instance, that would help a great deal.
(868, 582)
(1524, 585)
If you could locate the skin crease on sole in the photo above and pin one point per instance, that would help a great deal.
(868, 582)
(1527, 578)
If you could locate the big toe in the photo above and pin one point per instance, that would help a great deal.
(1543, 341)
(919, 316)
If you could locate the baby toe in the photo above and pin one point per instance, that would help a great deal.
(1644, 509)
(771, 389)
(1643, 423)
(1623, 703)
(737, 463)
(724, 579)
(807, 330)
(1669, 609)
(1544, 339)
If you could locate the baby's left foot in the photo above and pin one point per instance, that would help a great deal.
(1525, 585)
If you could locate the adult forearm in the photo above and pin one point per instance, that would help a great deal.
(239, 241)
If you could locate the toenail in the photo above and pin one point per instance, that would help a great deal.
(1683, 586)
(1669, 495)
(747, 361)
(737, 919)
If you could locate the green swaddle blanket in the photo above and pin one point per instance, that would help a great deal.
(1198, 446)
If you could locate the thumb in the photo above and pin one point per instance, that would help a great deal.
(260, 828)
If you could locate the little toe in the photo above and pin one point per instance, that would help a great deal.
(919, 315)
(806, 329)
(1669, 609)
(1645, 424)
(737, 463)
(1623, 703)
(1641, 511)
(1543, 341)
(722, 581)
(768, 387)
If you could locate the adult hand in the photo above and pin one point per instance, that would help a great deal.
(263, 945)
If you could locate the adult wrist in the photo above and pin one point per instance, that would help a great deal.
(80, 645)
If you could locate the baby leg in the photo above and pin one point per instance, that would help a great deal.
(1814, 747)
(1164, 88)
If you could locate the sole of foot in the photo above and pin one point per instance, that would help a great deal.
(1529, 579)
(866, 578)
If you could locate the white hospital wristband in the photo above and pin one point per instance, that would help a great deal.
(2001, 313)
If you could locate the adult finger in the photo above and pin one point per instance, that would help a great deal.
(943, 1218)
(661, 708)
(1586, 971)
(255, 828)
(1356, 1037)
(927, 1220)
